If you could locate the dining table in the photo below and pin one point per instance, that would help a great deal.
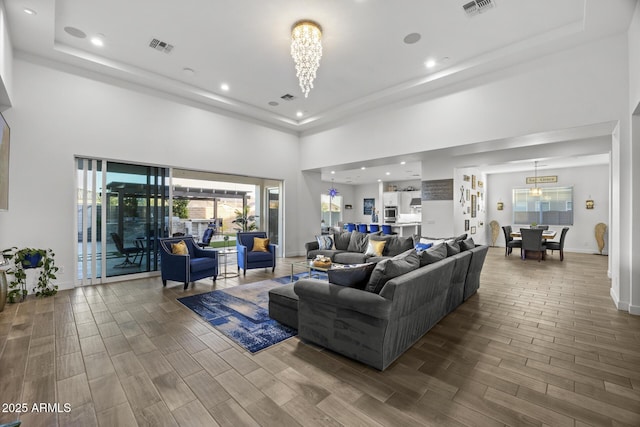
(546, 234)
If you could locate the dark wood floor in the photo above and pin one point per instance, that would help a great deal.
(540, 344)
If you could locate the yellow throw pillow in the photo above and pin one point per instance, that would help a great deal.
(179, 248)
(375, 247)
(260, 245)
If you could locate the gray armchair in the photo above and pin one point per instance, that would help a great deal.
(532, 242)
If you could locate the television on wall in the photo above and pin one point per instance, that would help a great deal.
(4, 164)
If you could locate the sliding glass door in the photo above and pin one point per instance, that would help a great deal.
(122, 210)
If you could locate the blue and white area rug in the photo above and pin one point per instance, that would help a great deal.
(287, 279)
(242, 314)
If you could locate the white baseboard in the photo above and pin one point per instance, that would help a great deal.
(634, 309)
(620, 305)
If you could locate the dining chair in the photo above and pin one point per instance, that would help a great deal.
(532, 242)
(510, 242)
(127, 251)
(559, 246)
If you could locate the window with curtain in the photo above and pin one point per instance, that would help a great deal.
(553, 207)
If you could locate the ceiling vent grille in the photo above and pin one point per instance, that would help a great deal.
(161, 46)
(288, 97)
(478, 6)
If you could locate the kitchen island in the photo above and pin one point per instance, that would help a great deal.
(406, 228)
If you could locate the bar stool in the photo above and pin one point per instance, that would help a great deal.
(362, 228)
(386, 229)
(374, 228)
(350, 227)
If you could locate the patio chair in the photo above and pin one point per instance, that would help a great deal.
(127, 251)
(206, 238)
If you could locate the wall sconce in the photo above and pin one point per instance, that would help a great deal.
(500, 206)
(590, 203)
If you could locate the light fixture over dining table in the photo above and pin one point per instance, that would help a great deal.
(306, 51)
(535, 190)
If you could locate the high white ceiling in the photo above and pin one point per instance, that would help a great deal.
(246, 45)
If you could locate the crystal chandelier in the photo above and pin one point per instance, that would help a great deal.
(535, 191)
(306, 50)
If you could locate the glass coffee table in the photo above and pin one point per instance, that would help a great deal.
(307, 265)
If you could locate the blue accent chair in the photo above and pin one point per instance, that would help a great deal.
(247, 258)
(374, 228)
(198, 264)
(362, 228)
(350, 227)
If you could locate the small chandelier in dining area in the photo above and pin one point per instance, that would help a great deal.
(306, 50)
(535, 190)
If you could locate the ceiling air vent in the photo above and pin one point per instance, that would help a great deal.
(161, 46)
(288, 97)
(477, 6)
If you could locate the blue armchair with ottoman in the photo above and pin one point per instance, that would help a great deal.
(255, 251)
(181, 260)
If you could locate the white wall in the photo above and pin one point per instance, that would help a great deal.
(6, 61)
(633, 38)
(462, 211)
(587, 182)
(57, 115)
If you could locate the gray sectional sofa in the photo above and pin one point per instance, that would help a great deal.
(351, 247)
(376, 328)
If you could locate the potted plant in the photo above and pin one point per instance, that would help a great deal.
(27, 258)
(244, 221)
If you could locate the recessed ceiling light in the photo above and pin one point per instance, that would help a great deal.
(412, 38)
(188, 71)
(299, 114)
(387, 173)
(403, 163)
(29, 11)
(224, 87)
(98, 40)
(379, 180)
(430, 63)
(273, 103)
(75, 32)
(333, 172)
(363, 168)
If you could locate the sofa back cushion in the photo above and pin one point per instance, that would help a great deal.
(353, 277)
(341, 240)
(390, 268)
(433, 254)
(395, 244)
(358, 242)
(325, 242)
(453, 247)
(467, 244)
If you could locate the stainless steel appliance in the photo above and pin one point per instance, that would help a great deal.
(390, 214)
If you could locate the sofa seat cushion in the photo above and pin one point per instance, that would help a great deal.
(350, 258)
(329, 253)
(202, 264)
(391, 268)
